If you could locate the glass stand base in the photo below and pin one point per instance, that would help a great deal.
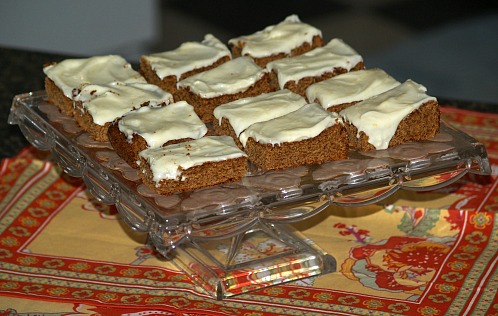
(263, 256)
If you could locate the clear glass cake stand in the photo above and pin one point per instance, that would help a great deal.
(239, 237)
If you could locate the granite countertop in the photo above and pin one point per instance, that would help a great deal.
(21, 72)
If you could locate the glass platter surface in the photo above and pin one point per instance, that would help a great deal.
(203, 232)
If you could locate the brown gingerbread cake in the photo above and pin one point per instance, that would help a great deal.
(153, 127)
(97, 106)
(400, 115)
(234, 117)
(235, 79)
(341, 91)
(291, 37)
(57, 97)
(299, 72)
(65, 79)
(278, 98)
(186, 166)
(309, 135)
(165, 69)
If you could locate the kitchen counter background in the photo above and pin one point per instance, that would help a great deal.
(21, 72)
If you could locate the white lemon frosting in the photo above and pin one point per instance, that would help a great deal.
(305, 123)
(106, 102)
(336, 54)
(169, 161)
(234, 76)
(158, 125)
(282, 37)
(71, 74)
(379, 116)
(244, 112)
(188, 56)
(350, 87)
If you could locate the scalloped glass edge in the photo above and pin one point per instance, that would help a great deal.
(169, 230)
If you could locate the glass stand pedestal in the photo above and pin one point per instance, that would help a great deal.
(263, 256)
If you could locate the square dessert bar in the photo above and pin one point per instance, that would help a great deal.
(309, 135)
(290, 37)
(153, 127)
(165, 69)
(238, 78)
(299, 72)
(234, 117)
(186, 166)
(97, 106)
(402, 114)
(65, 79)
(339, 92)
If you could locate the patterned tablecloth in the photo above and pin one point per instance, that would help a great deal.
(426, 253)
